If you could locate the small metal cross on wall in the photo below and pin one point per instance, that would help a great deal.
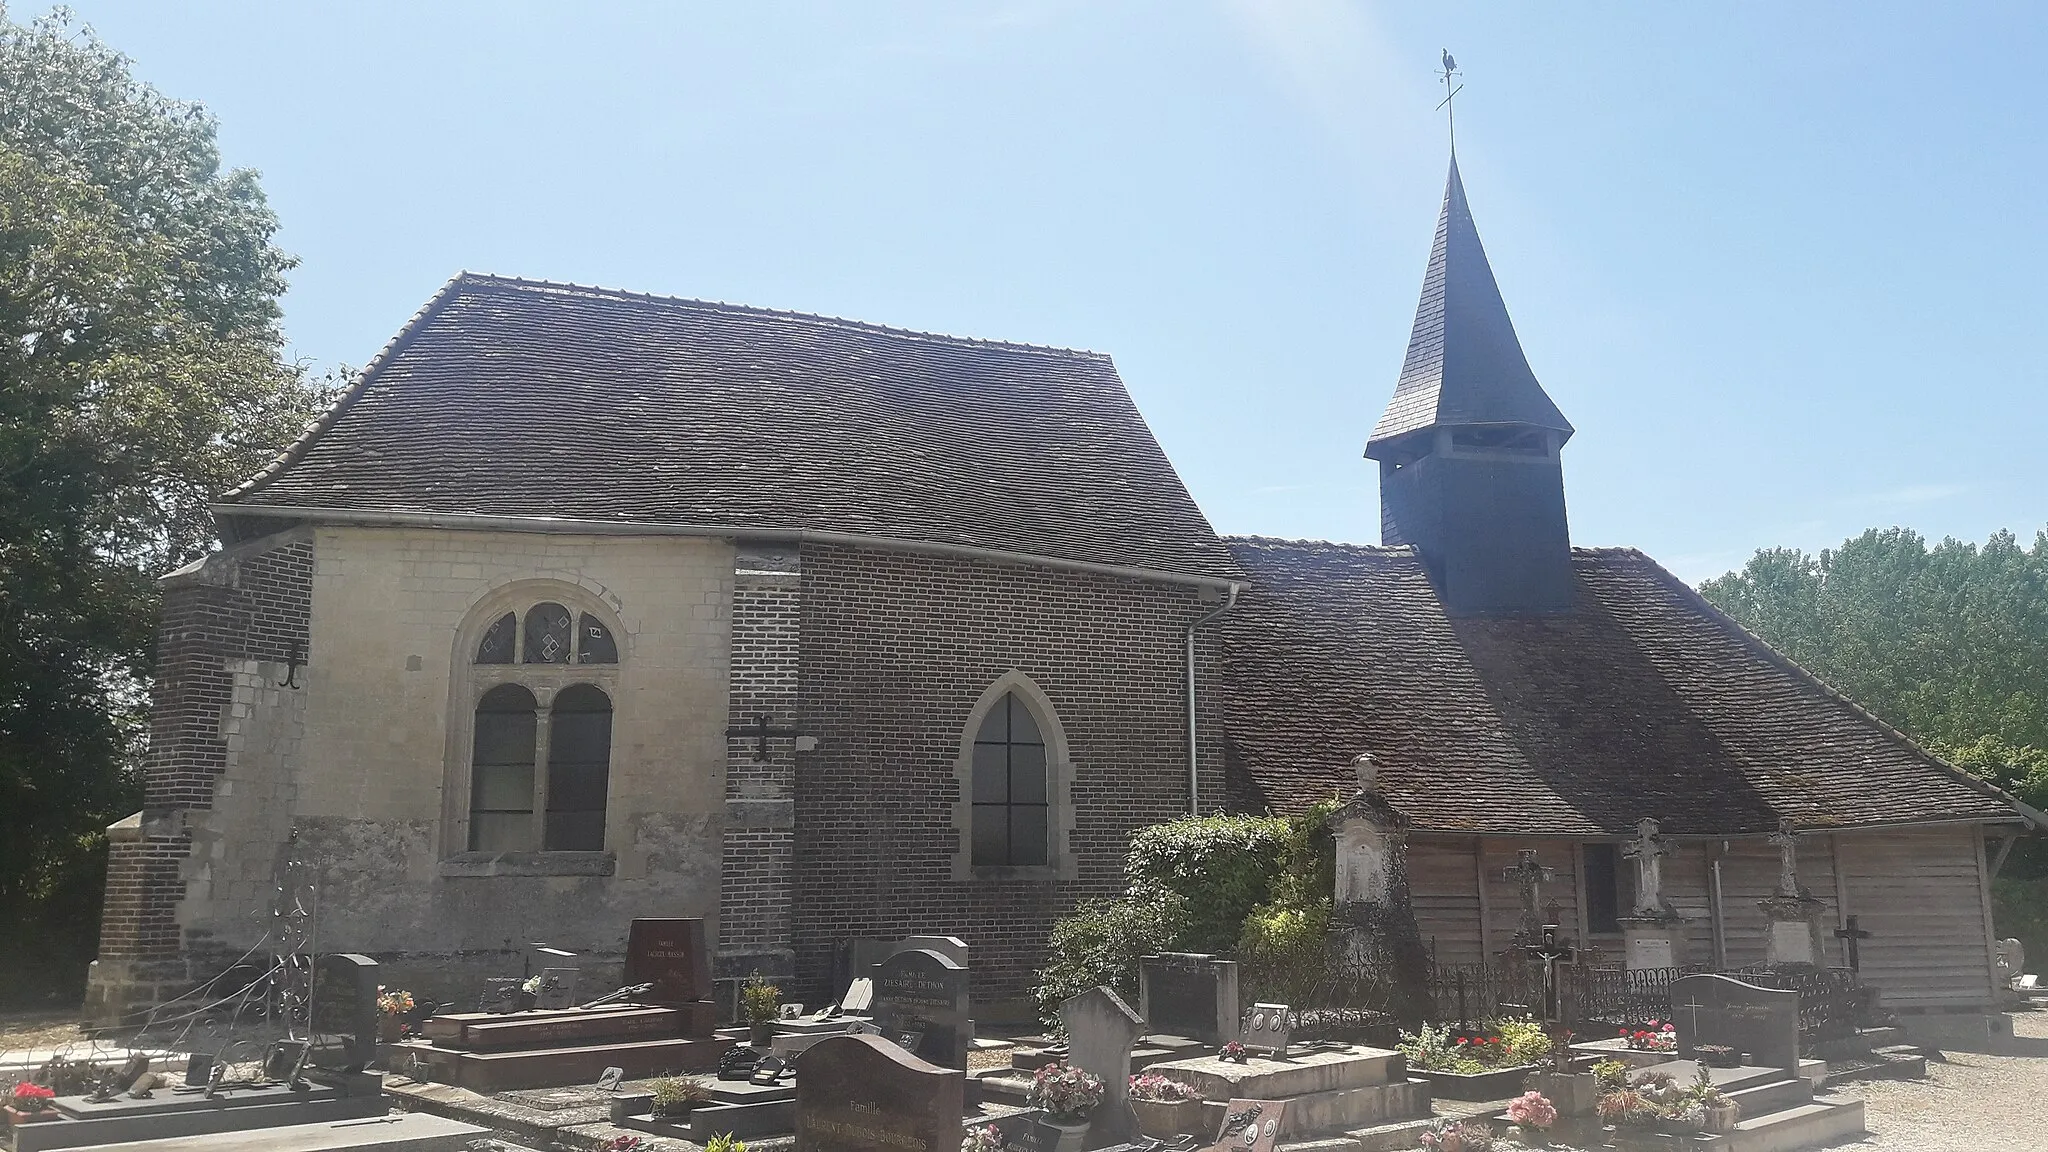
(760, 731)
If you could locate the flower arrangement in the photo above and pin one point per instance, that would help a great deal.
(394, 1002)
(760, 1000)
(1654, 1037)
(1458, 1136)
(531, 986)
(1507, 1044)
(1069, 1093)
(984, 1138)
(1532, 1110)
(624, 1142)
(1153, 1086)
(1716, 1055)
(1652, 1098)
(30, 1098)
(1235, 1052)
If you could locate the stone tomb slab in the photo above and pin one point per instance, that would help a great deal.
(1322, 1070)
(924, 994)
(1715, 1009)
(1190, 994)
(404, 1132)
(671, 954)
(863, 1094)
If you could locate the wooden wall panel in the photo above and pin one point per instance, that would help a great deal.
(1749, 873)
(1919, 893)
(1443, 881)
(1686, 874)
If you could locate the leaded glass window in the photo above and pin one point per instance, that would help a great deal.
(1010, 787)
(579, 769)
(595, 644)
(499, 638)
(501, 771)
(548, 634)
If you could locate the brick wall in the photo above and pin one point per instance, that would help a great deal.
(896, 649)
(760, 779)
(241, 608)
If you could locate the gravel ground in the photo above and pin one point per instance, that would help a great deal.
(1974, 1101)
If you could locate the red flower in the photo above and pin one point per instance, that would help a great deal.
(1461, 1041)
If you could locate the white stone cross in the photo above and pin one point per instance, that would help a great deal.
(1787, 842)
(1648, 850)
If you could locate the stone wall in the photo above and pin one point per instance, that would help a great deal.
(897, 649)
(360, 751)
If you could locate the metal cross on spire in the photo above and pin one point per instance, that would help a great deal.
(1451, 89)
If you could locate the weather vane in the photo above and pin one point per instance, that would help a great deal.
(1451, 89)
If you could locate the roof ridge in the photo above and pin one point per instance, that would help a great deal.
(568, 286)
(1376, 549)
(1772, 654)
(321, 423)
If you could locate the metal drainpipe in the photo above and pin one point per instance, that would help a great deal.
(1194, 748)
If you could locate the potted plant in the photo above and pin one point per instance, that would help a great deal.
(676, 1096)
(760, 1001)
(1717, 1055)
(392, 1005)
(982, 1138)
(1166, 1108)
(1068, 1094)
(1718, 1112)
(29, 1103)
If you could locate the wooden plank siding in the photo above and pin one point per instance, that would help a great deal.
(1504, 897)
(1443, 884)
(1919, 892)
(1749, 873)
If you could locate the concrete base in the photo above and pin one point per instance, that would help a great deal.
(399, 1132)
(1966, 1031)
(1811, 1125)
(1265, 1078)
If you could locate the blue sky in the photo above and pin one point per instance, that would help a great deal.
(1780, 264)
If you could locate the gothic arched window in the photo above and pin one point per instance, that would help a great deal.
(542, 674)
(1010, 787)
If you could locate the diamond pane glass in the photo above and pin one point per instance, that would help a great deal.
(547, 634)
(496, 646)
(595, 644)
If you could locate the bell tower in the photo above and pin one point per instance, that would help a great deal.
(1469, 446)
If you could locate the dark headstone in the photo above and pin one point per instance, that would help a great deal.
(1268, 1028)
(1027, 1131)
(557, 989)
(671, 955)
(924, 993)
(1715, 1009)
(501, 994)
(860, 1094)
(1100, 1030)
(1250, 1126)
(951, 947)
(344, 1012)
(1189, 994)
(198, 1070)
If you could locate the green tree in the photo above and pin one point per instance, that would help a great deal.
(140, 373)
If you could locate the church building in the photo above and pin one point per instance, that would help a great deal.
(582, 605)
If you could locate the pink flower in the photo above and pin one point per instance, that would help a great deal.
(1671, 1028)
(1532, 1109)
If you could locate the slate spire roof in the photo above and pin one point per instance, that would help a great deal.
(1465, 364)
(567, 406)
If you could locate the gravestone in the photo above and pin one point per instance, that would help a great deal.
(861, 1094)
(670, 954)
(1250, 1126)
(344, 1012)
(1715, 1009)
(557, 990)
(923, 993)
(1100, 1030)
(501, 994)
(1027, 1131)
(951, 947)
(1190, 994)
(1268, 1028)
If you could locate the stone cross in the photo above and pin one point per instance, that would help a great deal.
(1648, 850)
(1368, 772)
(1529, 876)
(1851, 937)
(1787, 842)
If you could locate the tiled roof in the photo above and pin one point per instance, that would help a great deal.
(525, 399)
(1465, 363)
(1645, 701)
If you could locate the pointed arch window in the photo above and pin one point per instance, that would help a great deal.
(1011, 787)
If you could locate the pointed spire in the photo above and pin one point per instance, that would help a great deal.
(1465, 364)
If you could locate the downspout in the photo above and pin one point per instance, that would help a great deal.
(1194, 748)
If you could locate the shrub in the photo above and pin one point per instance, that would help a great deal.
(1222, 866)
(674, 1094)
(1100, 944)
(1523, 1041)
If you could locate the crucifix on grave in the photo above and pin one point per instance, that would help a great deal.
(1528, 877)
(1793, 913)
(1653, 935)
(1851, 936)
(760, 732)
